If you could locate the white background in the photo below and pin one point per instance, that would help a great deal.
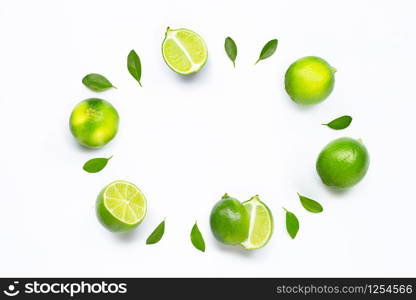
(187, 141)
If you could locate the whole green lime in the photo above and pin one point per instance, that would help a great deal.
(309, 80)
(230, 221)
(94, 122)
(343, 163)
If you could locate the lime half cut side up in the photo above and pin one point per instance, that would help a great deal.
(261, 224)
(184, 51)
(121, 206)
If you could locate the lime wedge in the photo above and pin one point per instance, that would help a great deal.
(121, 206)
(184, 51)
(261, 224)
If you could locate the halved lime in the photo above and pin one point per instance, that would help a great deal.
(184, 51)
(261, 224)
(121, 206)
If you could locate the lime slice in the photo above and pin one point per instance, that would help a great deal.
(184, 51)
(121, 206)
(261, 224)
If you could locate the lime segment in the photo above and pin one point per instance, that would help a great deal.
(121, 206)
(261, 224)
(184, 51)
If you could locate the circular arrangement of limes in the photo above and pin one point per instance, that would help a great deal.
(121, 206)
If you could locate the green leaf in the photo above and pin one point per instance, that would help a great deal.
(157, 234)
(96, 164)
(268, 50)
(340, 123)
(134, 66)
(197, 239)
(231, 49)
(97, 82)
(292, 223)
(310, 205)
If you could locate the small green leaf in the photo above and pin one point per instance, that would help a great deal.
(157, 234)
(134, 66)
(310, 205)
(340, 123)
(268, 50)
(197, 239)
(292, 223)
(96, 164)
(97, 82)
(231, 49)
